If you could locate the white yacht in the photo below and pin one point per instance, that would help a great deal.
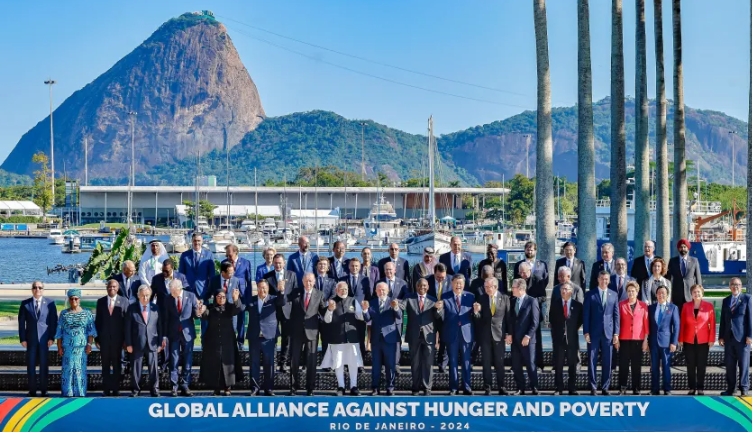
(220, 240)
(55, 237)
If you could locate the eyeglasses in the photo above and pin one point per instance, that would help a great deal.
(73, 299)
(37, 288)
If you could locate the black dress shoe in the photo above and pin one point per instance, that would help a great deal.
(31, 394)
(452, 392)
(135, 394)
(534, 392)
(605, 393)
(574, 393)
(282, 369)
(503, 392)
(727, 393)
(488, 392)
(186, 392)
(652, 393)
(116, 393)
(375, 392)
(389, 392)
(106, 393)
(228, 392)
(43, 394)
(293, 392)
(592, 393)
(558, 393)
(309, 393)
(354, 391)
(635, 393)
(217, 392)
(415, 393)
(154, 393)
(268, 393)
(467, 392)
(700, 392)
(692, 393)
(667, 393)
(440, 370)
(361, 370)
(340, 391)
(174, 393)
(426, 392)
(515, 393)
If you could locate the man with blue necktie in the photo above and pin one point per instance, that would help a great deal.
(197, 265)
(459, 332)
(401, 266)
(735, 336)
(283, 282)
(263, 332)
(180, 310)
(601, 328)
(663, 338)
(338, 265)
(457, 261)
(303, 260)
(129, 282)
(37, 324)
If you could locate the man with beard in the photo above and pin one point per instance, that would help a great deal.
(683, 272)
(537, 282)
(499, 267)
(424, 268)
(341, 323)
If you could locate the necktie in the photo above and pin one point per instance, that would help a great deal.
(621, 281)
(456, 263)
(38, 309)
(683, 267)
(390, 286)
(457, 299)
(381, 305)
(733, 303)
(321, 282)
(660, 313)
(180, 305)
(128, 287)
(608, 267)
(566, 311)
(307, 299)
(569, 263)
(493, 306)
(517, 306)
(441, 285)
(352, 282)
(421, 303)
(603, 298)
(111, 306)
(196, 257)
(225, 287)
(145, 315)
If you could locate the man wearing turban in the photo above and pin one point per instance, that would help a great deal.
(683, 272)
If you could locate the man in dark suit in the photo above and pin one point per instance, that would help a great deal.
(537, 282)
(385, 316)
(144, 334)
(37, 324)
(663, 339)
(263, 332)
(129, 282)
(306, 308)
(492, 326)
(245, 275)
(423, 269)
(458, 332)
(683, 272)
(109, 322)
(160, 283)
(524, 323)
(566, 320)
(600, 324)
(359, 287)
(498, 265)
(401, 266)
(564, 275)
(324, 283)
(439, 285)
(338, 265)
(303, 260)
(735, 336)
(180, 311)
(477, 286)
(456, 261)
(398, 288)
(282, 282)
(606, 263)
(576, 266)
(641, 265)
(197, 264)
(620, 279)
(422, 320)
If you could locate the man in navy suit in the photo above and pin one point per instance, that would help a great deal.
(537, 282)
(439, 284)
(282, 282)
(244, 275)
(606, 263)
(401, 266)
(324, 283)
(458, 331)
(385, 316)
(180, 310)
(160, 283)
(37, 324)
(663, 338)
(600, 325)
(338, 266)
(641, 264)
(109, 322)
(620, 279)
(303, 260)
(359, 287)
(524, 321)
(307, 305)
(263, 332)
(735, 336)
(456, 261)
(575, 265)
(144, 334)
(129, 282)
(398, 288)
(197, 264)
(267, 266)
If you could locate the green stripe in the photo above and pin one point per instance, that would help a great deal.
(723, 409)
(59, 413)
(50, 405)
(742, 407)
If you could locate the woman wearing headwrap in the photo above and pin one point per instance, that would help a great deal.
(221, 366)
(151, 262)
(75, 334)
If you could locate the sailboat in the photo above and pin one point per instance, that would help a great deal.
(430, 237)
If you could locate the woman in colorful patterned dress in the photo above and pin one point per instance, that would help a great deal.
(75, 334)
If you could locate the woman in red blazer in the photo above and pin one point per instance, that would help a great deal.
(696, 336)
(633, 338)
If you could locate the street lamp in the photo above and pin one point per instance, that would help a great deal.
(363, 150)
(527, 154)
(132, 182)
(733, 159)
(50, 82)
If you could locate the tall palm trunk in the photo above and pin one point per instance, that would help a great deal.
(662, 223)
(642, 147)
(680, 157)
(544, 179)
(618, 215)
(586, 232)
(749, 164)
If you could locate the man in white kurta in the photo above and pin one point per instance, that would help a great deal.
(151, 262)
(344, 349)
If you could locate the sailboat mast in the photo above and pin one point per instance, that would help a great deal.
(431, 200)
(255, 189)
(227, 147)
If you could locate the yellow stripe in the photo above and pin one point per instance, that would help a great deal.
(747, 401)
(18, 418)
(30, 415)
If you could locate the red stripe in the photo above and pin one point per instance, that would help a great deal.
(7, 407)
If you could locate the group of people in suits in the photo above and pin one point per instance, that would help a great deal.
(354, 305)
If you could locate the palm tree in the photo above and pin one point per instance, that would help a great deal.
(680, 157)
(749, 164)
(586, 234)
(642, 147)
(618, 135)
(544, 179)
(662, 223)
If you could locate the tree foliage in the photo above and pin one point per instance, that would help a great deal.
(42, 188)
(103, 264)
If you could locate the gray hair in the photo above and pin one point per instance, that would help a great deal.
(526, 266)
(487, 269)
(129, 263)
(622, 260)
(563, 269)
(176, 283)
(567, 285)
(652, 244)
(38, 283)
(519, 284)
(340, 284)
(607, 246)
(493, 281)
(145, 288)
(381, 284)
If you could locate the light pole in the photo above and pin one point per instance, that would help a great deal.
(132, 182)
(527, 155)
(733, 159)
(363, 150)
(50, 82)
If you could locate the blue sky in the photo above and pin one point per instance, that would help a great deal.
(488, 43)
